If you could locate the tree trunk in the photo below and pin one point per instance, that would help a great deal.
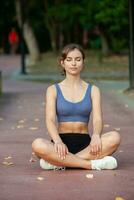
(28, 35)
(85, 39)
(31, 42)
(104, 44)
(53, 39)
(52, 27)
(61, 37)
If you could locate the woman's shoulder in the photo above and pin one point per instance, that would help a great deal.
(51, 90)
(51, 87)
(95, 90)
(92, 85)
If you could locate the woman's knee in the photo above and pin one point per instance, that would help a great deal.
(39, 146)
(115, 139)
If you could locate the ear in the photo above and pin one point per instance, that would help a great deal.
(62, 63)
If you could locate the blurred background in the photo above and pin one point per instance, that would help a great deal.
(51, 24)
(41, 28)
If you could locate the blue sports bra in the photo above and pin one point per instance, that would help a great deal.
(73, 112)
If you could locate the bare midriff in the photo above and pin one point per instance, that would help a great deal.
(73, 127)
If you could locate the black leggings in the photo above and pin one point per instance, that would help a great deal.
(75, 141)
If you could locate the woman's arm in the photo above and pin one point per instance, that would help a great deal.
(97, 111)
(95, 145)
(50, 113)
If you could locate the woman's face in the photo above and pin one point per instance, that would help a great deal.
(73, 63)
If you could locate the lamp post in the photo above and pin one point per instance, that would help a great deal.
(22, 44)
(131, 45)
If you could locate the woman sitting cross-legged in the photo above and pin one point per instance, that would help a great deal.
(72, 101)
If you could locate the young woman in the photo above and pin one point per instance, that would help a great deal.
(69, 105)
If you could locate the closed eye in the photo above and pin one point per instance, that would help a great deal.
(76, 59)
(68, 59)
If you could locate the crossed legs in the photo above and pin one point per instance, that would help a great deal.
(45, 150)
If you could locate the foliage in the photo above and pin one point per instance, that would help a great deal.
(112, 14)
(56, 17)
(87, 19)
(113, 17)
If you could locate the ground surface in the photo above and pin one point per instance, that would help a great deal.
(22, 120)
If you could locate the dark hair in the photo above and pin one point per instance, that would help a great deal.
(67, 49)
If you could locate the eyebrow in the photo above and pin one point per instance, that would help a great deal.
(75, 57)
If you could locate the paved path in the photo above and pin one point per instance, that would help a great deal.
(22, 120)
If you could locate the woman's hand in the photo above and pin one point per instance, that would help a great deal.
(95, 147)
(61, 149)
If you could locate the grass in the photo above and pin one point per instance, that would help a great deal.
(111, 67)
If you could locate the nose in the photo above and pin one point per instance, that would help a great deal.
(73, 62)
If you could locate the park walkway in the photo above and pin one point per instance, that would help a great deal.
(22, 120)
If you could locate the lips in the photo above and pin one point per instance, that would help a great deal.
(73, 68)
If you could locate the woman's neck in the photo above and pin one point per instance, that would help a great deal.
(72, 81)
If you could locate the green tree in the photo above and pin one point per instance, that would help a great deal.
(74, 21)
(29, 36)
(112, 19)
(62, 21)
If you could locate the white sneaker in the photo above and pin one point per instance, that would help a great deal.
(108, 162)
(47, 166)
